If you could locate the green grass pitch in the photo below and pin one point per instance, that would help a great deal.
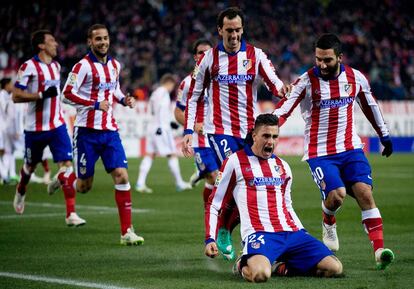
(39, 243)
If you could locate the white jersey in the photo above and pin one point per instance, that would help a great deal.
(90, 82)
(160, 109)
(231, 82)
(199, 141)
(261, 189)
(34, 76)
(12, 114)
(327, 107)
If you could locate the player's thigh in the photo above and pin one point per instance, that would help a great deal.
(224, 145)
(86, 151)
(304, 252)
(356, 168)
(205, 160)
(326, 174)
(270, 245)
(165, 143)
(113, 153)
(35, 143)
(60, 145)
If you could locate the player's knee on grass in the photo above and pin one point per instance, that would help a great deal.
(335, 199)
(329, 266)
(258, 269)
(120, 176)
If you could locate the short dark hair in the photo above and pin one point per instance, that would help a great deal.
(230, 13)
(4, 82)
(95, 27)
(262, 120)
(329, 41)
(266, 119)
(201, 41)
(167, 77)
(38, 37)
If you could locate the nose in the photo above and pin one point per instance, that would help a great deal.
(323, 65)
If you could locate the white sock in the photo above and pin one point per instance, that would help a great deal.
(11, 164)
(175, 170)
(3, 169)
(144, 168)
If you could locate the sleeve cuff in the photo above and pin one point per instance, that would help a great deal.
(385, 138)
(188, 131)
(18, 85)
(209, 240)
(96, 105)
(122, 101)
(180, 106)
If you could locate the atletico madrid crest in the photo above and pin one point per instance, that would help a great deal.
(349, 88)
(247, 64)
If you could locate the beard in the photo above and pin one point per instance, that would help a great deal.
(330, 72)
(99, 54)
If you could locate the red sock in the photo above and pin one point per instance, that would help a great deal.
(206, 194)
(328, 219)
(45, 165)
(123, 201)
(24, 180)
(68, 190)
(373, 227)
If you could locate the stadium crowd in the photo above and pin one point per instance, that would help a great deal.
(153, 37)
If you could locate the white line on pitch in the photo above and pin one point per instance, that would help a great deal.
(60, 281)
(86, 207)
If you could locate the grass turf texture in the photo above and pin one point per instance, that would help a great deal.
(173, 227)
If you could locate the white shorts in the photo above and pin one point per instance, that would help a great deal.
(162, 144)
(2, 144)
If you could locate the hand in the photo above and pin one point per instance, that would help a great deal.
(159, 131)
(387, 143)
(198, 128)
(187, 145)
(211, 250)
(104, 105)
(285, 91)
(130, 100)
(174, 125)
(48, 93)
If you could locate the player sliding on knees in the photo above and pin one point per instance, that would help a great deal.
(274, 238)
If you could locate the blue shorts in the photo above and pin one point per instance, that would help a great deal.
(299, 249)
(57, 139)
(205, 160)
(90, 144)
(340, 170)
(224, 145)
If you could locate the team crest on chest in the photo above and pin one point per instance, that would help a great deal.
(247, 64)
(349, 88)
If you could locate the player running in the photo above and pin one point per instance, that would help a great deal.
(327, 94)
(93, 87)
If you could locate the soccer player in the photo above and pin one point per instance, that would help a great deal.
(160, 138)
(327, 94)
(38, 84)
(93, 87)
(204, 155)
(12, 123)
(260, 182)
(230, 73)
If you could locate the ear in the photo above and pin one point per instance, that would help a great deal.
(340, 57)
(89, 42)
(220, 30)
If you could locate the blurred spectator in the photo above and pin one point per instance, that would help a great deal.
(154, 36)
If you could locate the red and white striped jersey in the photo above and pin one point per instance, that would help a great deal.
(327, 107)
(199, 141)
(34, 76)
(89, 82)
(231, 82)
(261, 189)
